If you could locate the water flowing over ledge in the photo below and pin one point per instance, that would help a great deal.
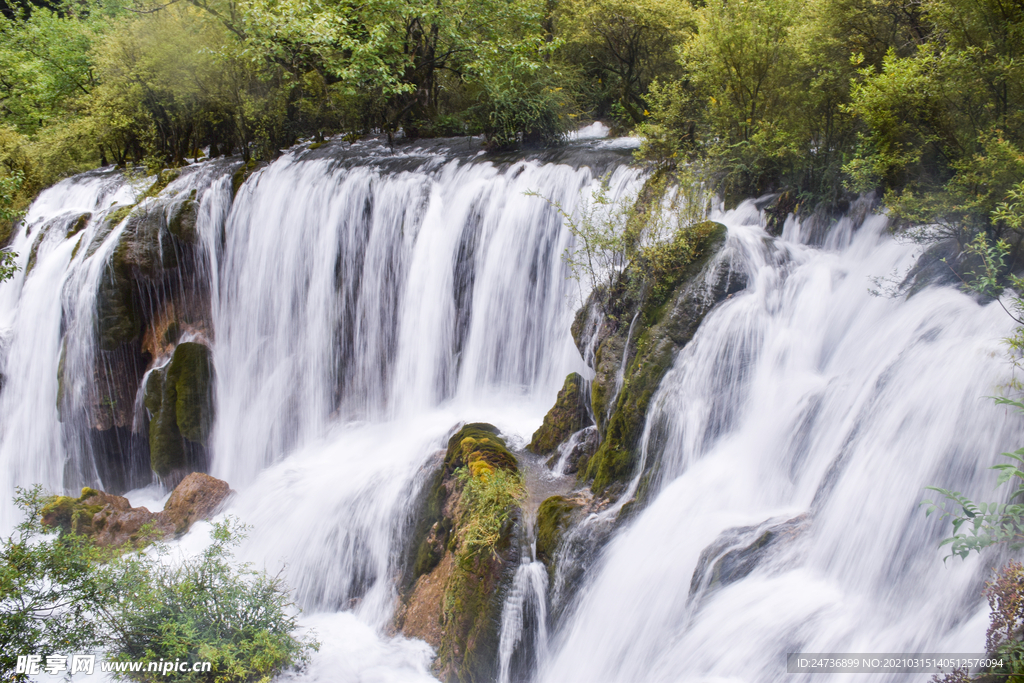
(361, 306)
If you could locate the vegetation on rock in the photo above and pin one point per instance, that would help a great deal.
(568, 415)
(552, 522)
(464, 554)
(180, 400)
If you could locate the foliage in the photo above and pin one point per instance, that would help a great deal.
(620, 48)
(60, 594)
(207, 609)
(50, 590)
(650, 230)
(487, 501)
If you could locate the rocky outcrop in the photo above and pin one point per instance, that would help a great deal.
(568, 415)
(112, 522)
(150, 295)
(553, 519)
(179, 396)
(463, 556)
(643, 331)
(737, 552)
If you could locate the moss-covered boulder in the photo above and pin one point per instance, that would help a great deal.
(180, 399)
(182, 217)
(462, 555)
(646, 331)
(568, 415)
(111, 521)
(553, 518)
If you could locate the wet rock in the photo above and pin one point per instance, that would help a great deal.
(662, 323)
(180, 399)
(737, 552)
(111, 521)
(580, 446)
(553, 518)
(197, 497)
(568, 415)
(453, 588)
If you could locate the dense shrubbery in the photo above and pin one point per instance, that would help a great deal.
(60, 594)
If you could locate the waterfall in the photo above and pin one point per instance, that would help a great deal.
(795, 435)
(361, 304)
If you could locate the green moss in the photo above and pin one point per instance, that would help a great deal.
(163, 179)
(79, 225)
(184, 409)
(568, 415)
(239, 177)
(153, 392)
(552, 521)
(668, 319)
(118, 322)
(467, 512)
(316, 145)
(478, 445)
(71, 514)
(33, 253)
(115, 217)
(182, 222)
(191, 372)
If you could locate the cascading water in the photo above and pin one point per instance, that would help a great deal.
(363, 303)
(796, 433)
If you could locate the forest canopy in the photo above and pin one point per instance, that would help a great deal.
(919, 100)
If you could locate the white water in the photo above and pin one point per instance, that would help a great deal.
(364, 308)
(804, 394)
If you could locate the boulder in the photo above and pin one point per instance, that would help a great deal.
(179, 397)
(453, 589)
(553, 518)
(567, 416)
(111, 521)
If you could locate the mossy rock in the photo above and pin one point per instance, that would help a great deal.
(163, 179)
(79, 224)
(180, 399)
(478, 446)
(239, 177)
(33, 253)
(117, 320)
(567, 416)
(456, 593)
(71, 514)
(191, 371)
(552, 522)
(668, 319)
(182, 218)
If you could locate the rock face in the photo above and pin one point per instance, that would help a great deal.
(111, 521)
(179, 397)
(568, 415)
(553, 519)
(152, 291)
(463, 556)
(647, 331)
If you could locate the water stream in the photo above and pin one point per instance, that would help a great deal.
(363, 304)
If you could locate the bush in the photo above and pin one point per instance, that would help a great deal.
(60, 594)
(207, 609)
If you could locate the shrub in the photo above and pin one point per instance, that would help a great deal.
(61, 594)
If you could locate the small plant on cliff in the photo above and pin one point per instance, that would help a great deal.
(647, 231)
(487, 501)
